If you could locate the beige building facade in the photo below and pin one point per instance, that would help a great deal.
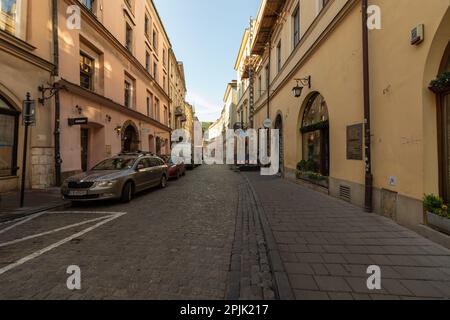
(26, 63)
(116, 73)
(318, 45)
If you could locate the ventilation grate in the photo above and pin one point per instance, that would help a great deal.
(345, 193)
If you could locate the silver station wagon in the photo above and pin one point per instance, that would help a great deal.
(119, 177)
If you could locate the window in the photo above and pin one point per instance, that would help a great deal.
(129, 37)
(296, 26)
(9, 123)
(87, 66)
(155, 71)
(164, 83)
(147, 27)
(129, 92)
(164, 56)
(89, 4)
(12, 19)
(147, 61)
(166, 115)
(149, 105)
(279, 56)
(155, 40)
(157, 111)
(315, 132)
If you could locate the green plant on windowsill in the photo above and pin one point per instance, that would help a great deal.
(436, 205)
(441, 84)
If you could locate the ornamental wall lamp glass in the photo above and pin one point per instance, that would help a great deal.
(49, 91)
(297, 90)
(118, 130)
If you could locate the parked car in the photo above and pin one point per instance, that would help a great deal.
(119, 177)
(176, 170)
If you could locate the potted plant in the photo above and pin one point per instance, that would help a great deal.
(438, 213)
(441, 84)
(309, 171)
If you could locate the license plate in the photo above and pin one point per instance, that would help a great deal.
(77, 193)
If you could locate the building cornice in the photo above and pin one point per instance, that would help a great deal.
(95, 97)
(23, 50)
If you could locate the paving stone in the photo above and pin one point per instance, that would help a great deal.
(303, 282)
(337, 284)
(311, 295)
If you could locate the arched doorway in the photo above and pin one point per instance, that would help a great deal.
(130, 137)
(315, 135)
(9, 126)
(443, 115)
(279, 126)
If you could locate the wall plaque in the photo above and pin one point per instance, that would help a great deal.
(355, 142)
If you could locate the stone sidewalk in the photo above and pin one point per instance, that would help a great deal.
(326, 246)
(35, 201)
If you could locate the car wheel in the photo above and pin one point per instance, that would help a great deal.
(127, 193)
(163, 182)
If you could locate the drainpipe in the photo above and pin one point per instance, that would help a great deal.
(268, 80)
(367, 130)
(57, 132)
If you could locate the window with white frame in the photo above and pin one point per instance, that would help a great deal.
(13, 17)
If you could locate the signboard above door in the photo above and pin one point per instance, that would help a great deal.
(78, 121)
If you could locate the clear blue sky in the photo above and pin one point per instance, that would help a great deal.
(206, 36)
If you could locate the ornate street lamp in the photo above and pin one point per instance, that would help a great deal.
(297, 90)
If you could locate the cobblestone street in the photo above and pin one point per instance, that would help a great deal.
(218, 234)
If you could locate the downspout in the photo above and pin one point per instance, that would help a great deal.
(57, 132)
(367, 128)
(268, 79)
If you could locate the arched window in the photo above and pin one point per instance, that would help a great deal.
(315, 130)
(9, 124)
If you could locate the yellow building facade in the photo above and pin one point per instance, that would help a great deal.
(318, 45)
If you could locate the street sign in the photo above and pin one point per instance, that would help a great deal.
(267, 123)
(78, 121)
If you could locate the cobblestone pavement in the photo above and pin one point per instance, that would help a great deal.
(170, 244)
(326, 246)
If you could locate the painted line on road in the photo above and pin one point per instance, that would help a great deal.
(34, 216)
(58, 244)
(2, 245)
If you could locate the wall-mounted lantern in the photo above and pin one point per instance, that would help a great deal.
(118, 130)
(297, 90)
(48, 92)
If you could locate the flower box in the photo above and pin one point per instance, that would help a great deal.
(313, 178)
(441, 84)
(438, 222)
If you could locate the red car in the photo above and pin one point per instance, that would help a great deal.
(176, 170)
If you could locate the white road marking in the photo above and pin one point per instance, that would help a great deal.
(52, 231)
(58, 244)
(34, 216)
